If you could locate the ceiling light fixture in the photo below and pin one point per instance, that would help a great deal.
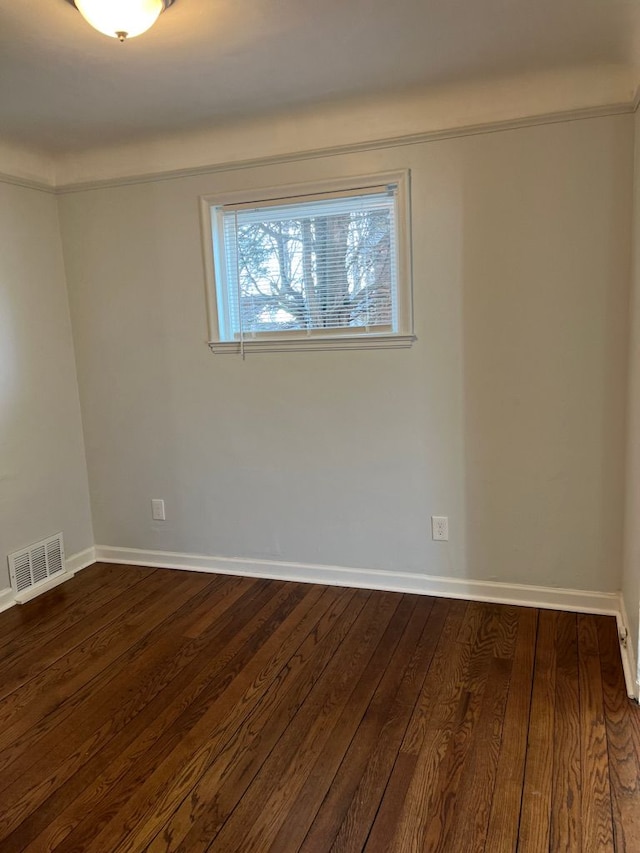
(121, 19)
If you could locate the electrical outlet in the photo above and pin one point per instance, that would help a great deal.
(440, 528)
(157, 510)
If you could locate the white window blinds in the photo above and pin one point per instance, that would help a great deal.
(316, 265)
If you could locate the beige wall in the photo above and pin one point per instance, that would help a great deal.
(631, 571)
(507, 415)
(43, 481)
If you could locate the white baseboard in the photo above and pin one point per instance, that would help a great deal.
(73, 564)
(81, 560)
(6, 599)
(627, 652)
(575, 600)
(572, 600)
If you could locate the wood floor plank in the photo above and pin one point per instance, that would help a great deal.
(37, 656)
(22, 783)
(377, 686)
(199, 817)
(566, 811)
(146, 742)
(284, 773)
(143, 798)
(176, 712)
(102, 697)
(388, 819)
(271, 781)
(596, 815)
(54, 610)
(439, 726)
(502, 833)
(349, 808)
(207, 613)
(537, 794)
(454, 739)
(39, 705)
(112, 716)
(462, 624)
(468, 822)
(266, 720)
(622, 719)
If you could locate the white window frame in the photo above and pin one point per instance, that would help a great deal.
(313, 339)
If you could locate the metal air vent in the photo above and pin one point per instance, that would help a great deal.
(36, 564)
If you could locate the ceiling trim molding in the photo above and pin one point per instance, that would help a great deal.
(26, 183)
(622, 108)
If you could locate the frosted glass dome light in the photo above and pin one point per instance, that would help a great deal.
(121, 19)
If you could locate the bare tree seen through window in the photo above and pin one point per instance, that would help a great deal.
(325, 272)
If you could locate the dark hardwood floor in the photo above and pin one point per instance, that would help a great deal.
(151, 710)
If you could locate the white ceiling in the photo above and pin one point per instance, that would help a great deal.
(64, 86)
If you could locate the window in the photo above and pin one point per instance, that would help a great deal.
(321, 267)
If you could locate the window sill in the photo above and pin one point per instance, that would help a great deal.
(313, 344)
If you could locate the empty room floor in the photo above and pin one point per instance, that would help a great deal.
(157, 710)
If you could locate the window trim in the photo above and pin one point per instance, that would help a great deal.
(314, 340)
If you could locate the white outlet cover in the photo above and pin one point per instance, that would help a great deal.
(157, 510)
(440, 528)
